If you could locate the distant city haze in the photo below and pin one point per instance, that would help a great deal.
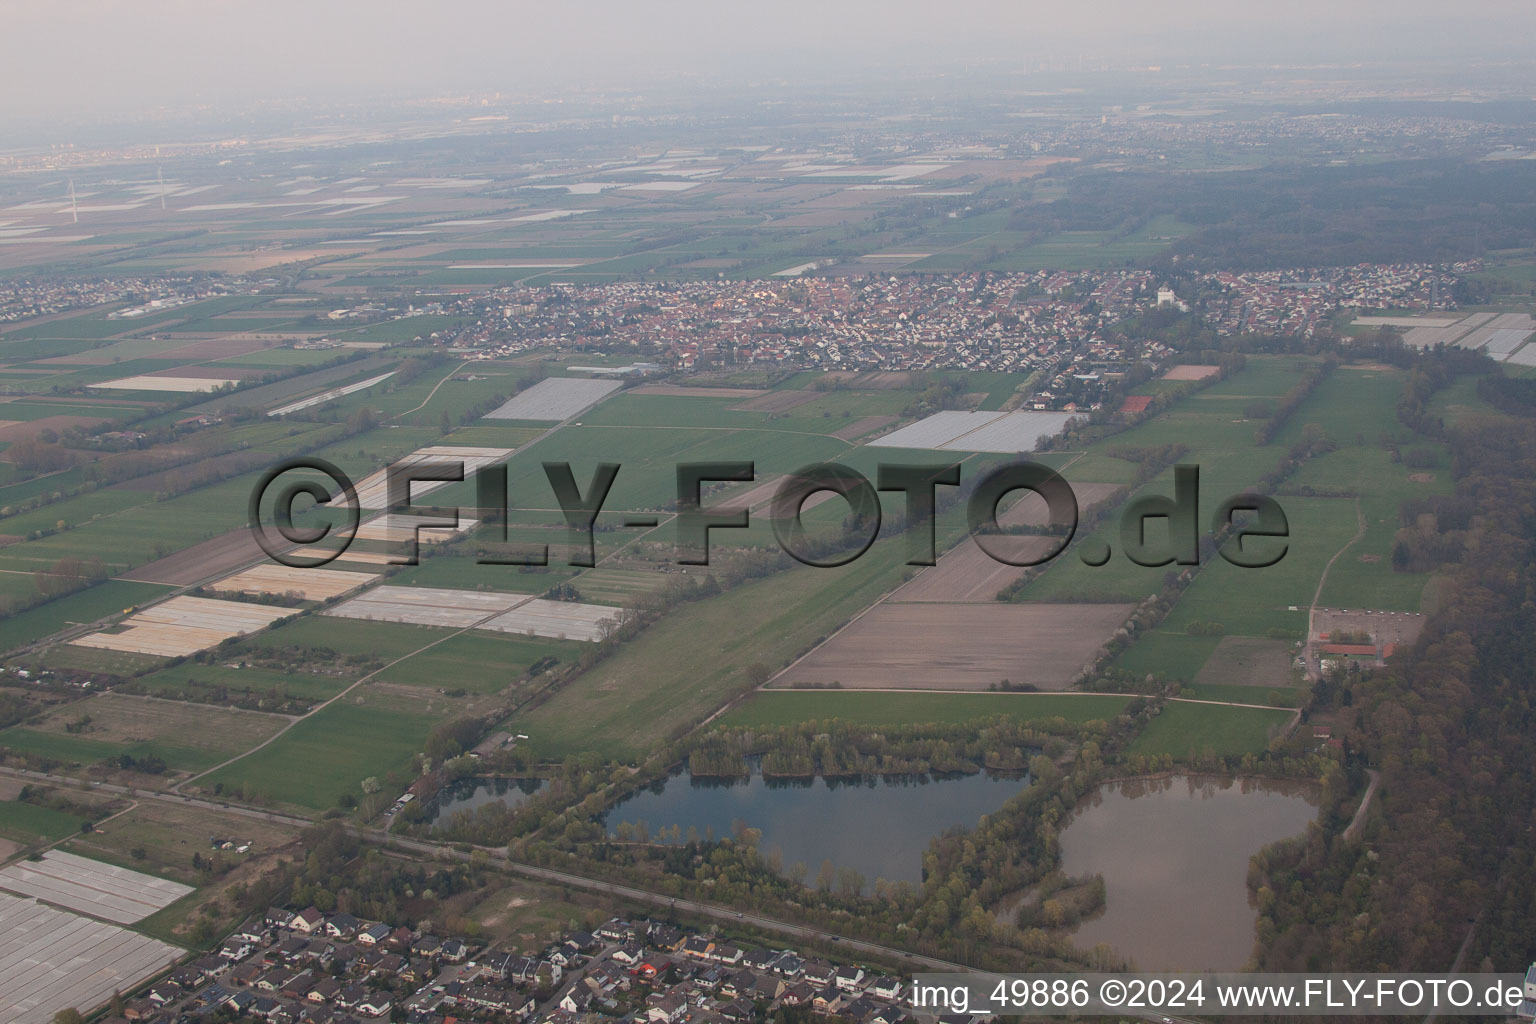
(81, 60)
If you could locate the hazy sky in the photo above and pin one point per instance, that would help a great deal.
(86, 58)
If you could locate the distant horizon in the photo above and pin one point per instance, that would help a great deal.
(76, 63)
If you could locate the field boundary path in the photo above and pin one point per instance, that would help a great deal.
(1357, 823)
(431, 394)
(1314, 669)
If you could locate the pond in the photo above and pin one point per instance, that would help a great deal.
(472, 794)
(1174, 855)
(877, 826)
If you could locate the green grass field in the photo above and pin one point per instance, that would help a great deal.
(769, 709)
(200, 680)
(1186, 729)
(109, 598)
(187, 737)
(126, 527)
(91, 659)
(461, 570)
(638, 696)
(478, 662)
(616, 586)
(1352, 404)
(326, 755)
(649, 458)
(1364, 577)
(1254, 602)
(1221, 443)
(28, 823)
(70, 749)
(1236, 693)
(384, 641)
(1459, 400)
(1176, 655)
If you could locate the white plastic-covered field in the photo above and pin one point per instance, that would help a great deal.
(426, 606)
(977, 431)
(558, 619)
(331, 395)
(1502, 343)
(1012, 432)
(308, 584)
(1438, 330)
(1498, 334)
(478, 609)
(554, 399)
(1523, 357)
(373, 490)
(91, 887)
(184, 625)
(149, 383)
(52, 959)
(934, 431)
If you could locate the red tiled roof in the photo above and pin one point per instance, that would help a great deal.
(1350, 649)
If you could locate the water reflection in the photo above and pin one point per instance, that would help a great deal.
(468, 795)
(1174, 855)
(878, 826)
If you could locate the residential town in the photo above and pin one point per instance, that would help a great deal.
(1045, 321)
(24, 298)
(305, 967)
(1000, 322)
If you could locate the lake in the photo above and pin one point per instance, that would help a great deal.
(879, 826)
(471, 794)
(1174, 855)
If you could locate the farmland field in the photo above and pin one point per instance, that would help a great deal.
(1258, 602)
(183, 625)
(768, 709)
(1176, 655)
(185, 736)
(1248, 661)
(110, 598)
(325, 756)
(479, 662)
(155, 838)
(1311, 280)
(967, 573)
(1185, 729)
(28, 823)
(362, 640)
(460, 568)
(203, 682)
(960, 647)
(554, 399)
(637, 697)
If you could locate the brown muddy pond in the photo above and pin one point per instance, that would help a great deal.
(1174, 855)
